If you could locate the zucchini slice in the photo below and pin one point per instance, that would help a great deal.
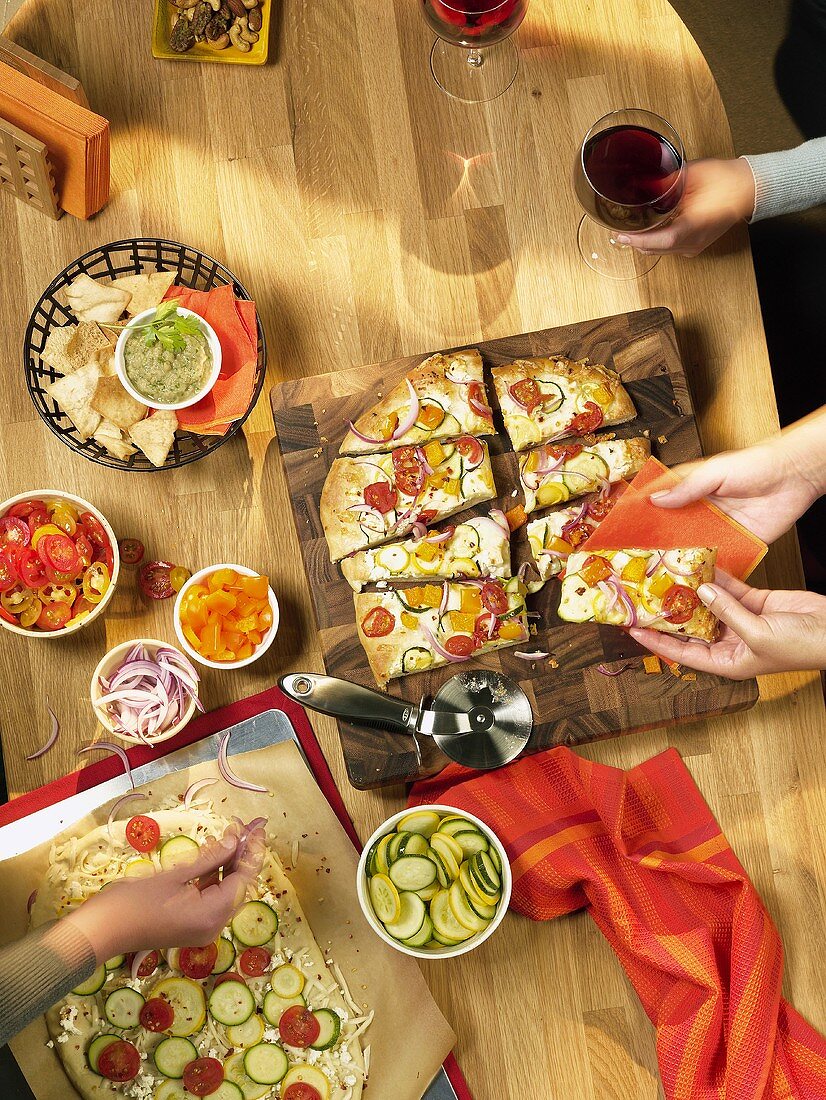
(254, 924)
(171, 1090)
(413, 872)
(265, 1063)
(471, 842)
(393, 558)
(330, 1024)
(495, 858)
(231, 1003)
(234, 1072)
(173, 1054)
(178, 849)
(420, 821)
(414, 844)
(274, 1006)
(115, 963)
(226, 956)
(423, 936)
(441, 840)
(446, 853)
(455, 824)
(247, 1034)
(188, 1003)
(139, 868)
(395, 844)
(442, 872)
(227, 1090)
(307, 1075)
(287, 981)
(92, 984)
(445, 924)
(416, 659)
(381, 861)
(463, 911)
(410, 919)
(385, 899)
(122, 1007)
(97, 1045)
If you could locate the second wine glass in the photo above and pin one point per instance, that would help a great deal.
(472, 59)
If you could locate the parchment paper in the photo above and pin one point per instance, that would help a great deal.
(324, 877)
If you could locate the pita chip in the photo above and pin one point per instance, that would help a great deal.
(113, 403)
(88, 339)
(147, 291)
(56, 352)
(73, 393)
(155, 435)
(110, 437)
(93, 301)
(105, 358)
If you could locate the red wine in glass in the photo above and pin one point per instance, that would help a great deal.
(471, 59)
(474, 23)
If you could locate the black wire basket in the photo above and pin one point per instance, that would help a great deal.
(142, 255)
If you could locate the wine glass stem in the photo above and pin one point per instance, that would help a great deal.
(475, 58)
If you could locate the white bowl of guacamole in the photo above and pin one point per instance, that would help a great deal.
(163, 377)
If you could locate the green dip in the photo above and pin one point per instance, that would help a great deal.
(168, 377)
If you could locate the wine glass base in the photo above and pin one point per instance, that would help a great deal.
(599, 250)
(474, 76)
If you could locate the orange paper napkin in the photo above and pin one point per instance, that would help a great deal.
(235, 324)
(635, 522)
(641, 851)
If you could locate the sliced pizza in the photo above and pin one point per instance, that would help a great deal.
(554, 473)
(653, 588)
(479, 547)
(413, 629)
(370, 499)
(442, 398)
(551, 398)
(558, 533)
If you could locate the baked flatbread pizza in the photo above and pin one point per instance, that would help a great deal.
(479, 547)
(413, 629)
(554, 473)
(135, 1036)
(551, 398)
(371, 499)
(652, 588)
(558, 533)
(442, 398)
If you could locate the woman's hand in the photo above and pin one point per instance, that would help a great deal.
(718, 194)
(763, 632)
(184, 907)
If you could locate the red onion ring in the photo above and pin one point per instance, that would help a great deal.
(631, 611)
(580, 515)
(412, 414)
(365, 438)
(116, 805)
(498, 530)
(535, 655)
(439, 648)
(193, 789)
(501, 521)
(654, 563)
(523, 569)
(441, 536)
(227, 773)
(137, 962)
(419, 530)
(365, 509)
(479, 408)
(32, 898)
(110, 746)
(55, 730)
(422, 457)
(445, 594)
(615, 671)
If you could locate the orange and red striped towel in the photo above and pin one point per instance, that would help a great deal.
(641, 851)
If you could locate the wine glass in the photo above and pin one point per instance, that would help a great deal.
(472, 59)
(629, 176)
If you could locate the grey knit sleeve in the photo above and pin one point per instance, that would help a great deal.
(38, 970)
(792, 180)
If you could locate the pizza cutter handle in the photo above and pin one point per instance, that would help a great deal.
(351, 702)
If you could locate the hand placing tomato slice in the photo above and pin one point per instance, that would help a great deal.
(58, 553)
(254, 961)
(381, 496)
(131, 551)
(143, 833)
(680, 603)
(54, 616)
(460, 645)
(154, 580)
(197, 962)
(471, 449)
(300, 1090)
(377, 623)
(148, 965)
(526, 393)
(588, 420)
(298, 1027)
(157, 1014)
(203, 1076)
(494, 598)
(408, 471)
(13, 529)
(119, 1061)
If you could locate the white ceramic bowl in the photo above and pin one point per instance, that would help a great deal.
(389, 826)
(199, 578)
(80, 505)
(214, 347)
(107, 666)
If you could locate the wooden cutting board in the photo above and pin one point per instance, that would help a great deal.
(572, 703)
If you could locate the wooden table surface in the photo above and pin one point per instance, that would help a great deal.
(371, 217)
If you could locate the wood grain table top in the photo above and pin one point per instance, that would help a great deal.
(373, 218)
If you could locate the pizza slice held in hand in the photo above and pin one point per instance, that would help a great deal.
(557, 534)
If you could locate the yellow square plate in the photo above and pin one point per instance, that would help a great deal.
(162, 29)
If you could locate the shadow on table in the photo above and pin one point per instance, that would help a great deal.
(799, 66)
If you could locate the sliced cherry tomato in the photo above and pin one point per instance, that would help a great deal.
(37, 520)
(5, 615)
(254, 961)
(131, 551)
(9, 575)
(577, 534)
(85, 550)
(381, 496)
(57, 577)
(460, 645)
(81, 606)
(472, 449)
(408, 471)
(599, 508)
(24, 508)
(63, 518)
(526, 392)
(157, 1014)
(94, 529)
(595, 569)
(106, 556)
(17, 598)
(378, 623)
(565, 451)
(494, 598)
(588, 420)
(203, 1076)
(300, 1090)
(482, 629)
(59, 553)
(54, 616)
(57, 593)
(119, 1061)
(96, 581)
(30, 615)
(143, 833)
(148, 966)
(179, 576)
(299, 1027)
(197, 962)
(13, 529)
(427, 515)
(680, 603)
(154, 580)
(230, 976)
(477, 394)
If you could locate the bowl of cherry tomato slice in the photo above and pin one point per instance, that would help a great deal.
(59, 563)
(226, 616)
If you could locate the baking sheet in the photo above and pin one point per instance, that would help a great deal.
(378, 977)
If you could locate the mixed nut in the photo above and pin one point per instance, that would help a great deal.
(217, 23)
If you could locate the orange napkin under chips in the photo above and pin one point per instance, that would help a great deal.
(235, 325)
(635, 522)
(641, 853)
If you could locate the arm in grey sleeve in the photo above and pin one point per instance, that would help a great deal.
(792, 180)
(38, 970)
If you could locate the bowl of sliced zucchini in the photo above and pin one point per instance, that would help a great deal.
(434, 882)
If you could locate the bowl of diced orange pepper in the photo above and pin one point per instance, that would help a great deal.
(226, 616)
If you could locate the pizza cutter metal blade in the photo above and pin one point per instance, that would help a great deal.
(478, 718)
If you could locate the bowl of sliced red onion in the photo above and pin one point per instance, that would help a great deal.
(145, 691)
